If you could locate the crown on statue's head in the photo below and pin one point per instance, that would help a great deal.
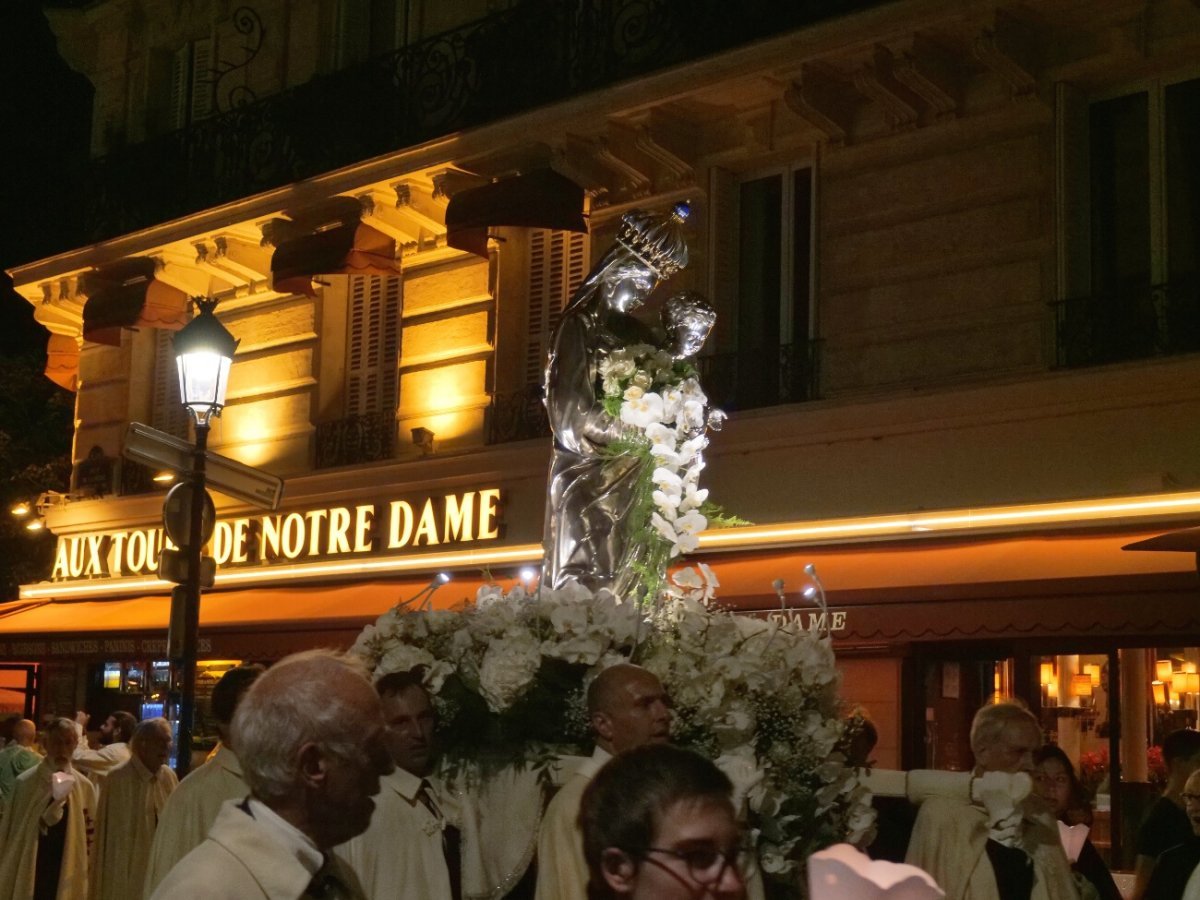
(656, 240)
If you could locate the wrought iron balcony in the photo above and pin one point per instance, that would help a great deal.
(538, 52)
(763, 376)
(517, 416)
(1134, 322)
(355, 439)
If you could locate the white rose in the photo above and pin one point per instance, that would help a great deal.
(643, 411)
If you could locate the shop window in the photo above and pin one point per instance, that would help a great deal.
(762, 255)
(1133, 281)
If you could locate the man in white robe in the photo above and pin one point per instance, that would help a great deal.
(411, 851)
(629, 708)
(311, 737)
(193, 807)
(46, 829)
(980, 847)
(114, 745)
(131, 800)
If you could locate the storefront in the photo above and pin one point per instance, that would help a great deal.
(932, 615)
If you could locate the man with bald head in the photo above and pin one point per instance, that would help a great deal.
(1001, 841)
(310, 737)
(131, 800)
(628, 708)
(193, 807)
(45, 835)
(18, 756)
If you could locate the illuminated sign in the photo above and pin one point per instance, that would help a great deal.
(335, 532)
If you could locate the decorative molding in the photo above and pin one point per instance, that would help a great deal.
(819, 100)
(1006, 49)
(875, 82)
(928, 71)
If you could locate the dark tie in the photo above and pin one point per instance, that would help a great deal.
(451, 840)
(326, 886)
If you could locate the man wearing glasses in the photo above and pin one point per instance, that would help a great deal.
(658, 822)
(1004, 844)
(1175, 874)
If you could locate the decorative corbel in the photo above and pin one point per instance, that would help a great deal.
(1006, 48)
(818, 99)
(926, 70)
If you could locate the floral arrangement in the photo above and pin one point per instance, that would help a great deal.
(666, 412)
(509, 675)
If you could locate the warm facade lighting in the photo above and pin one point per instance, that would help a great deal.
(164, 477)
(983, 520)
(22, 509)
(35, 524)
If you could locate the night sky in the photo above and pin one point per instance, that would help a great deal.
(45, 116)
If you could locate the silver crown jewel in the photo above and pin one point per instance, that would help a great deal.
(656, 240)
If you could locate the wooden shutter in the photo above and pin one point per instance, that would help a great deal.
(373, 336)
(166, 410)
(181, 67)
(203, 87)
(557, 265)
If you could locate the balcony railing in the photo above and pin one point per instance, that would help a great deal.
(517, 416)
(764, 376)
(355, 439)
(1135, 322)
(536, 53)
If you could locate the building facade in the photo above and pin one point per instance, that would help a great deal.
(953, 248)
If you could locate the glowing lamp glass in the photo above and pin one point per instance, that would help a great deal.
(1160, 692)
(1093, 672)
(1081, 685)
(204, 351)
(1047, 673)
(1162, 670)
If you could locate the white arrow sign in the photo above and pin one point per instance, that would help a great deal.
(160, 450)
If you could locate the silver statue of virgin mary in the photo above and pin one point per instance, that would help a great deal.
(590, 493)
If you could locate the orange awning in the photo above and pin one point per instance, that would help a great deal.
(62, 361)
(244, 623)
(346, 248)
(127, 295)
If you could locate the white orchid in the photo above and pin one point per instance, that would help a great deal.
(642, 411)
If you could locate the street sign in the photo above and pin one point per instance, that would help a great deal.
(160, 450)
(173, 566)
(177, 515)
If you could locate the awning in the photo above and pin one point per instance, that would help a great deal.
(62, 361)
(257, 624)
(540, 199)
(127, 295)
(1002, 588)
(1185, 540)
(344, 248)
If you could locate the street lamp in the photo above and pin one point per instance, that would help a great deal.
(204, 352)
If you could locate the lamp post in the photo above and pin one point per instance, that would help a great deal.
(203, 352)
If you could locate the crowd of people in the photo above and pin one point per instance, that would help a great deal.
(325, 785)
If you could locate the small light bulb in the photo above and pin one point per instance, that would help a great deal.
(35, 524)
(528, 574)
(21, 509)
(443, 577)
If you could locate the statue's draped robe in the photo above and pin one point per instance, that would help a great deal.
(590, 494)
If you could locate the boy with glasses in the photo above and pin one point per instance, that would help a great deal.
(658, 822)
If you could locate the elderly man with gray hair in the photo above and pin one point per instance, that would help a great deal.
(131, 800)
(998, 841)
(310, 736)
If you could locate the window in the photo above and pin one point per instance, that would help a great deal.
(1136, 295)
(557, 265)
(193, 82)
(367, 430)
(765, 261)
(373, 341)
(167, 412)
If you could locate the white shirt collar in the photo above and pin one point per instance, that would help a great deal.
(298, 843)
